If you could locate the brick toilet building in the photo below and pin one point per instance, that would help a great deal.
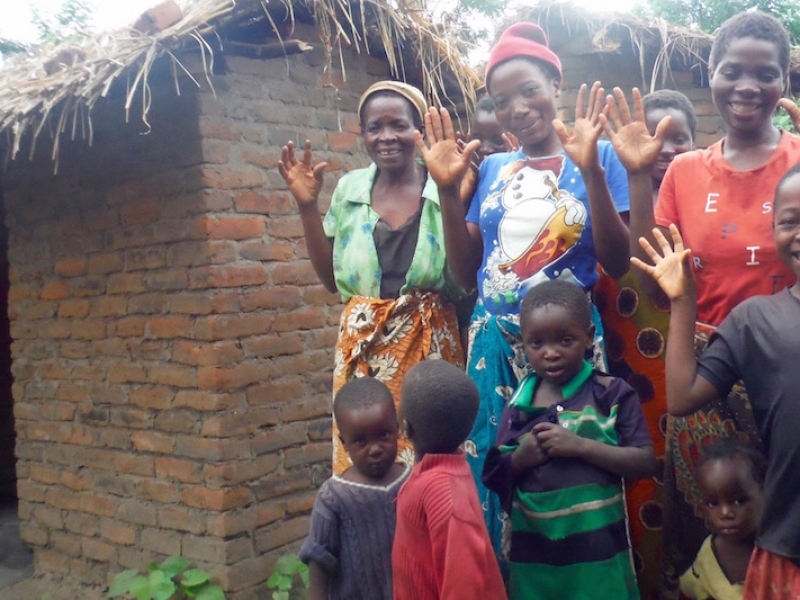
(172, 347)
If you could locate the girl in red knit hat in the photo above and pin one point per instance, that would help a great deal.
(549, 210)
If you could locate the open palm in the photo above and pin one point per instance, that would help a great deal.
(446, 160)
(303, 177)
(671, 268)
(580, 141)
(637, 149)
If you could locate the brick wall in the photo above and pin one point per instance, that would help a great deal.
(172, 347)
(624, 71)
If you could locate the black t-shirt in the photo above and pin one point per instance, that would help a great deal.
(395, 248)
(759, 342)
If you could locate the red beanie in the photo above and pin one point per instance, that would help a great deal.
(521, 40)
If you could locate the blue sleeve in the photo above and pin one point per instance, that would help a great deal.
(616, 176)
(631, 427)
(322, 546)
(474, 211)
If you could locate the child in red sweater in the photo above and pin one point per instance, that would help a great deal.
(441, 546)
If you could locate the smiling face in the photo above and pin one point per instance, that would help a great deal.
(524, 97)
(488, 130)
(677, 138)
(787, 223)
(369, 435)
(731, 498)
(747, 84)
(387, 129)
(554, 342)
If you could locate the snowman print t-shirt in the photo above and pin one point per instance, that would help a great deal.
(535, 222)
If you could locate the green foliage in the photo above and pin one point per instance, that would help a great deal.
(283, 579)
(172, 580)
(708, 15)
(11, 47)
(781, 119)
(70, 23)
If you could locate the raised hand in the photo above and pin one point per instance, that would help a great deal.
(304, 178)
(447, 163)
(510, 141)
(672, 268)
(636, 148)
(580, 142)
(793, 110)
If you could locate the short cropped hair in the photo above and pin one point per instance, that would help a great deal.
(755, 24)
(560, 293)
(485, 104)
(732, 448)
(671, 99)
(439, 401)
(791, 172)
(361, 392)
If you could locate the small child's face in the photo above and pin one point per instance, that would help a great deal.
(555, 343)
(489, 132)
(731, 498)
(369, 435)
(677, 138)
(787, 223)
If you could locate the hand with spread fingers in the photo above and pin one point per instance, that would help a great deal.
(580, 142)
(671, 268)
(303, 177)
(636, 148)
(447, 163)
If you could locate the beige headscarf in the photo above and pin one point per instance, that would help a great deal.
(409, 92)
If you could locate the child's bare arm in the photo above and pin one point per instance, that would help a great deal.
(626, 461)
(318, 579)
(686, 391)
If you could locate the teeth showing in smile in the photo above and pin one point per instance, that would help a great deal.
(388, 152)
(743, 108)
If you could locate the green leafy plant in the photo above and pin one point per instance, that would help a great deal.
(283, 578)
(172, 580)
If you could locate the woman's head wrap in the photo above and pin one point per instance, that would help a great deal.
(409, 92)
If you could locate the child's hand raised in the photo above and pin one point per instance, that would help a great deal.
(671, 269)
(556, 440)
(528, 454)
(580, 142)
(636, 148)
(447, 163)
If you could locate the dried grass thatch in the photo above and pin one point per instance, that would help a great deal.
(56, 89)
(659, 46)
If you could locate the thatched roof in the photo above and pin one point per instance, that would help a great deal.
(659, 46)
(56, 88)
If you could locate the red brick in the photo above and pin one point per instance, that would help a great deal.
(305, 410)
(238, 423)
(141, 213)
(167, 279)
(177, 421)
(172, 517)
(33, 534)
(211, 448)
(152, 441)
(277, 438)
(126, 373)
(44, 474)
(207, 401)
(226, 178)
(275, 250)
(49, 517)
(128, 327)
(300, 273)
(50, 561)
(71, 266)
(118, 533)
(218, 354)
(73, 309)
(135, 464)
(272, 298)
(231, 523)
(101, 506)
(168, 327)
(281, 534)
(304, 319)
(307, 454)
(67, 543)
(190, 304)
(125, 283)
(233, 378)
(55, 290)
(185, 471)
(145, 258)
(233, 227)
(173, 375)
(236, 276)
(163, 492)
(243, 471)
(161, 542)
(89, 329)
(147, 304)
(136, 511)
(97, 550)
(343, 142)
(75, 481)
(109, 262)
(155, 397)
(231, 327)
(201, 497)
(73, 392)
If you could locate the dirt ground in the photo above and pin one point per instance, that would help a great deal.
(48, 588)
